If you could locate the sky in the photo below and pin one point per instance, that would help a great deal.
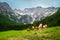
(22, 4)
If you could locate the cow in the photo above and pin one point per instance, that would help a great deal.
(40, 26)
(28, 29)
(37, 28)
(45, 26)
(32, 27)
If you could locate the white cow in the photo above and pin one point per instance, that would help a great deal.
(40, 26)
(45, 26)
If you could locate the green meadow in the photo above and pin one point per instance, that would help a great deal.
(52, 33)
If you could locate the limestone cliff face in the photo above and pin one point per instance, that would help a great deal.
(36, 13)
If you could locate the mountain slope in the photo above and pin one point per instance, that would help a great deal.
(53, 20)
(4, 19)
(5, 22)
(6, 10)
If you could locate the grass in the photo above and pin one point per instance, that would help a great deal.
(52, 33)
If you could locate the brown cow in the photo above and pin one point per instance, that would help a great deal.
(37, 28)
(28, 29)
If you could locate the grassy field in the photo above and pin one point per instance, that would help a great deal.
(52, 33)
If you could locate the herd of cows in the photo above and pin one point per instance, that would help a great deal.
(41, 26)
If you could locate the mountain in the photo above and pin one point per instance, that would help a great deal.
(35, 13)
(16, 19)
(53, 20)
(28, 15)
